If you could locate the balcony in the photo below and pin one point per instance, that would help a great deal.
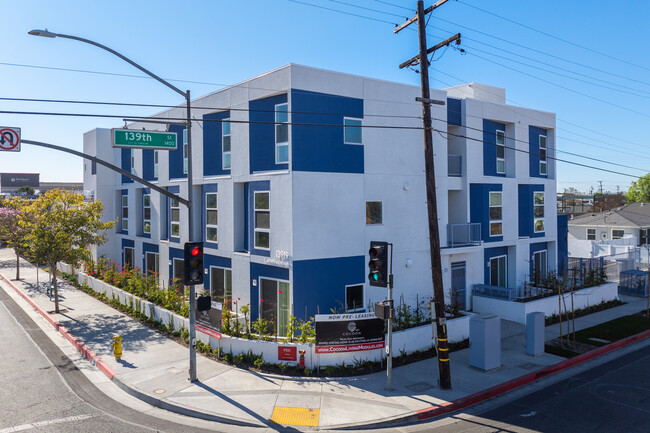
(462, 235)
(454, 165)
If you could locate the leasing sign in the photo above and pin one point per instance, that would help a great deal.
(336, 333)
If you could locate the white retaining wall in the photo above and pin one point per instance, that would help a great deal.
(516, 311)
(408, 341)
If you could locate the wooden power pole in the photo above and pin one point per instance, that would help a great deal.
(432, 207)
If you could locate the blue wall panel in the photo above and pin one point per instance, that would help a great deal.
(176, 156)
(489, 147)
(262, 133)
(322, 148)
(322, 282)
(526, 217)
(263, 185)
(264, 271)
(147, 165)
(125, 162)
(212, 144)
(454, 114)
(479, 212)
(533, 148)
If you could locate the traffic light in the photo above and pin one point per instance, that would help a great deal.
(378, 264)
(193, 272)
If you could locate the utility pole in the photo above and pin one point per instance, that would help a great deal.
(600, 189)
(434, 235)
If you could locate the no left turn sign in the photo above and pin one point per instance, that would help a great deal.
(10, 139)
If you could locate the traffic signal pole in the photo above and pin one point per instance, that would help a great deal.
(389, 352)
(432, 206)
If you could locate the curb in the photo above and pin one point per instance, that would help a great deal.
(112, 375)
(497, 390)
(82, 348)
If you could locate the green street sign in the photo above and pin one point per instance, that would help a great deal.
(134, 139)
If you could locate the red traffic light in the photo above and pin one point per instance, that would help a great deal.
(196, 251)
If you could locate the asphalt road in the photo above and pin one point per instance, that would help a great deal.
(612, 397)
(42, 390)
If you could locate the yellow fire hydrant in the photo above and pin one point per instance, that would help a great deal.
(117, 347)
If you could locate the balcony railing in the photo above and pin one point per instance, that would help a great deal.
(504, 293)
(454, 165)
(460, 235)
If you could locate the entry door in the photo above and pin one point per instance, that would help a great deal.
(498, 271)
(458, 282)
(540, 266)
(274, 304)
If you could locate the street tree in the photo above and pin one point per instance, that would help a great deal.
(639, 191)
(15, 226)
(608, 201)
(64, 228)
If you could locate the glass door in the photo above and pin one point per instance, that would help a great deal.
(275, 304)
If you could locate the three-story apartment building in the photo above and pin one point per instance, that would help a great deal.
(297, 170)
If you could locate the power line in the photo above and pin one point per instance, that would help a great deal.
(180, 120)
(553, 36)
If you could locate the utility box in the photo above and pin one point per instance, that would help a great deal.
(485, 342)
(535, 333)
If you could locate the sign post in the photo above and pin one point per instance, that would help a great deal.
(9, 139)
(134, 139)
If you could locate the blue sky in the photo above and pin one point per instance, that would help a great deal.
(209, 44)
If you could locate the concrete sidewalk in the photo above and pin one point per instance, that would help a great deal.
(154, 369)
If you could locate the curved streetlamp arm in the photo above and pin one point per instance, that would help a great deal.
(115, 168)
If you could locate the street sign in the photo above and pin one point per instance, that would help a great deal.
(9, 139)
(134, 139)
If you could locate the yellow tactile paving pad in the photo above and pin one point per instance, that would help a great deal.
(295, 416)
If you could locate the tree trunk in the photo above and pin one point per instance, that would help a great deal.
(56, 289)
(17, 265)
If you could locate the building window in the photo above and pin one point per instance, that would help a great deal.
(374, 212)
(542, 155)
(281, 133)
(501, 152)
(618, 234)
(175, 218)
(225, 144)
(152, 263)
(538, 211)
(211, 217)
(354, 298)
(274, 304)
(591, 234)
(155, 163)
(496, 214)
(185, 151)
(539, 266)
(125, 213)
(221, 286)
(262, 220)
(351, 130)
(129, 256)
(132, 161)
(498, 271)
(178, 270)
(146, 213)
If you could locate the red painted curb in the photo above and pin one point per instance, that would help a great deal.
(82, 348)
(502, 388)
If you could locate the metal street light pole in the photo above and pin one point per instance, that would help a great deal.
(190, 207)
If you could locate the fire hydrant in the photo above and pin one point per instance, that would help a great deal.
(117, 347)
(302, 358)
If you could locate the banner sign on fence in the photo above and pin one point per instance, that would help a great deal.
(337, 333)
(209, 322)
